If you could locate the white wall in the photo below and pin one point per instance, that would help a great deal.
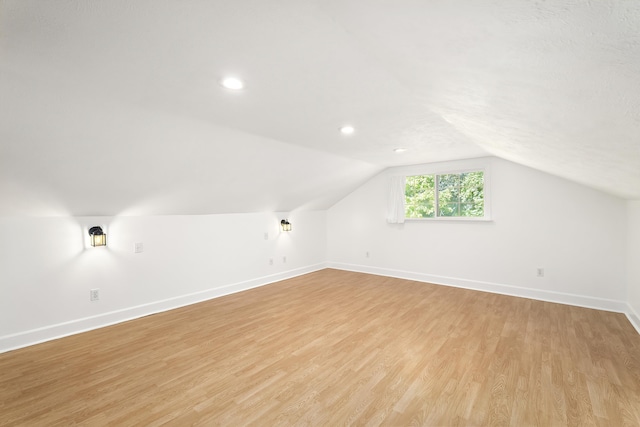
(47, 267)
(578, 235)
(575, 233)
(633, 262)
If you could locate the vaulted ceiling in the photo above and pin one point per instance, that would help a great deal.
(115, 107)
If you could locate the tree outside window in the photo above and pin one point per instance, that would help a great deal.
(447, 195)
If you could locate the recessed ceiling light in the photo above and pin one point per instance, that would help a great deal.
(347, 130)
(232, 83)
(399, 150)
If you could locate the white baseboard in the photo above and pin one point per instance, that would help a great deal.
(60, 330)
(633, 317)
(496, 288)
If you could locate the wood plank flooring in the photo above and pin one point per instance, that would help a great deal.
(334, 348)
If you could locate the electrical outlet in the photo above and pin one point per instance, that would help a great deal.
(266, 236)
(94, 294)
(540, 272)
(366, 254)
(284, 259)
(270, 261)
(138, 247)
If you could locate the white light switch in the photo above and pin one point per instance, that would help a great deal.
(138, 248)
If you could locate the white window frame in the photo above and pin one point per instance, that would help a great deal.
(439, 170)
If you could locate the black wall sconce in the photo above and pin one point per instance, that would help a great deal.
(98, 238)
(285, 224)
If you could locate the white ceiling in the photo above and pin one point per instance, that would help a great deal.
(114, 107)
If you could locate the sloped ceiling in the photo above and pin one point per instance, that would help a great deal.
(114, 108)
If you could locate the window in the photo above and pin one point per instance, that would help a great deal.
(454, 195)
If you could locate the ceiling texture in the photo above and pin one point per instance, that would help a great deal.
(115, 108)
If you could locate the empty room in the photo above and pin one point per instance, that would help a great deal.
(319, 212)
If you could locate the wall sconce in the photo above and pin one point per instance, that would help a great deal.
(285, 224)
(98, 238)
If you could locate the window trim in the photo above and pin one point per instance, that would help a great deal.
(485, 169)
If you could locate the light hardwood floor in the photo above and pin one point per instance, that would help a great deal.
(334, 348)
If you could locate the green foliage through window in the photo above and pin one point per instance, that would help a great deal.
(448, 195)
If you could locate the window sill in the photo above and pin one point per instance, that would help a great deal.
(449, 219)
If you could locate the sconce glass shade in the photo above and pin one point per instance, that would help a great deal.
(98, 238)
(286, 225)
